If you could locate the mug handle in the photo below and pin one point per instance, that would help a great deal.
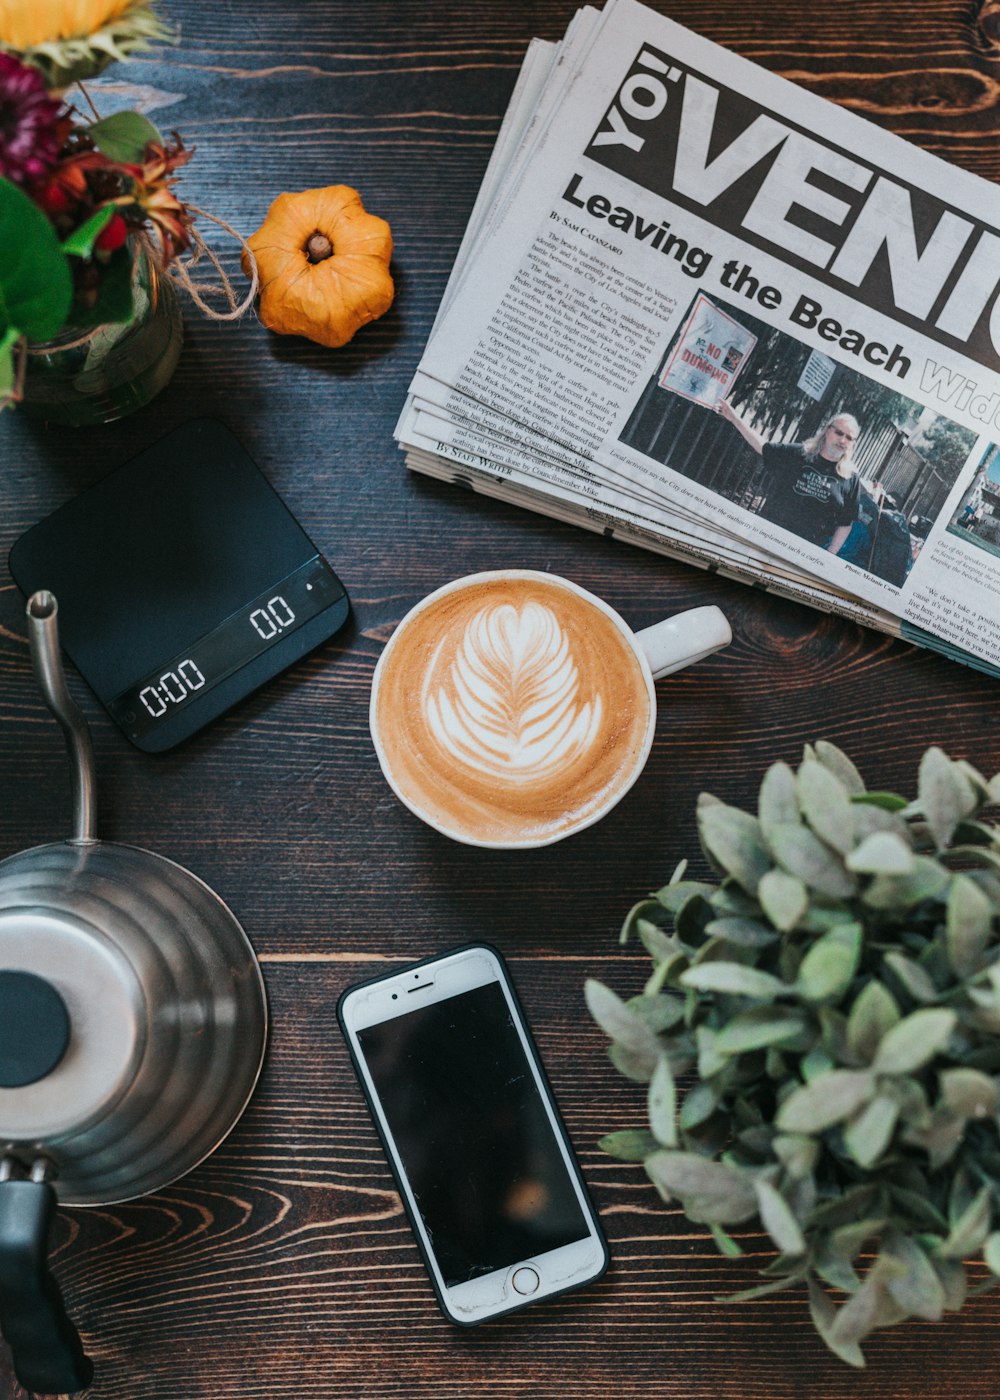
(681, 640)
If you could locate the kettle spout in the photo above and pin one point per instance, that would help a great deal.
(43, 636)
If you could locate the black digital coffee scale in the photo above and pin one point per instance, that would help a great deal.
(183, 583)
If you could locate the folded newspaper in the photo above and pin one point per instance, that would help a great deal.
(702, 310)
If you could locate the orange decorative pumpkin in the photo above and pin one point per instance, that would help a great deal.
(323, 264)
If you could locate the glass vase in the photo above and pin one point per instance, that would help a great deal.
(86, 377)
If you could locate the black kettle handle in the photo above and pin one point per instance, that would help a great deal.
(45, 1346)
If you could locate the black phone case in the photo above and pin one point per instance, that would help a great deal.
(546, 1085)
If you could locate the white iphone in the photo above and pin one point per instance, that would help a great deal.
(472, 1133)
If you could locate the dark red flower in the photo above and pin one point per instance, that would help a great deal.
(31, 131)
(113, 235)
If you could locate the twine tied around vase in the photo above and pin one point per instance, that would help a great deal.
(179, 273)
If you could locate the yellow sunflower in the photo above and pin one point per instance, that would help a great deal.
(71, 40)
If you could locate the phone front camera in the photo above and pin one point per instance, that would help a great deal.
(395, 996)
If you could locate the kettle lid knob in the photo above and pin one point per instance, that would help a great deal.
(34, 1028)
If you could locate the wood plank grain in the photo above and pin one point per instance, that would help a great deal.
(283, 1266)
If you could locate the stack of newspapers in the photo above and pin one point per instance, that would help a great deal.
(701, 310)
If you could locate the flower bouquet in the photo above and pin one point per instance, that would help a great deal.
(88, 213)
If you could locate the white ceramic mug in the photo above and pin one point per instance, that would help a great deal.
(580, 680)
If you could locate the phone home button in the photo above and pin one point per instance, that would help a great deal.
(525, 1280)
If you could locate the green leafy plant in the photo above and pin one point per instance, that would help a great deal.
(820, 1037)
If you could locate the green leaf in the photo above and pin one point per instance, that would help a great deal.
(882, 853)
(945, 795)
(778, 1219)
(825, 805)
(840, 766)
(733, 978)
(80, 243)
(917, 1289)
(709, 1191)
(733, 839)
(710, 1058)
(828, 968)
(888, 801)
(642, 909)
(991, 1252)
(725, 1243)
(629, 1145)
(757, 1029)
(873, 1014)
(114, 303)
(778, 803)
(829, 1099)
(620, 1022)
(969, 925)
(124, 136)
(798, 1155)
(662, 1104)
(895, 892)
(969, 1092)
(801, 853)
(913, 977)
(783, 898)
(970, 1230)
(914, 1041)
(8, 374)
(824, 1316)
(698, 1106)
(639, 1068)
(36, 288)
(742, 933)
(868, 1134)
(660, 1012)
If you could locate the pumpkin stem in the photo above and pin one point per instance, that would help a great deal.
(318, 247)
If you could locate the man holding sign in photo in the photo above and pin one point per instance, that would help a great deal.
(813, 489)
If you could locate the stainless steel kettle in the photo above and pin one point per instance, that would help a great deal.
(133, 1022)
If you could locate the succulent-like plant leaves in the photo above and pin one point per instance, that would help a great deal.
(829, 1099)
(874, 1013)
(828, 968)
(917, 1288)
(841, 766)
(969, 925)
(733, 839)
(735, 978)
(620, 1022)
(915, 1040)
(629, 1145)
(783, 898)
(970, 1230)
(915, 979)
(799, 852)
(882, 853)
(778, 1220)
(869, 1133)
(778, 803)
(826, 806)
(837, 1001)
(757, 1029)
(709, 1191)
(969, 1092)
(945, 794)
(662, 1104)
(824, 1316)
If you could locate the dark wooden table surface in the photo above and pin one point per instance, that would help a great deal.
(283, 1267)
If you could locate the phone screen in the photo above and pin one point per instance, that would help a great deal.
(473, 1134)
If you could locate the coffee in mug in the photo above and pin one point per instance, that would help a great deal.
(513, 708)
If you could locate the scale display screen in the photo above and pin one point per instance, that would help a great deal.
(183, 583)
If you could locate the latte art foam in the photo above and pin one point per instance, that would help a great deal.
(511, 709)
(510, 704)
